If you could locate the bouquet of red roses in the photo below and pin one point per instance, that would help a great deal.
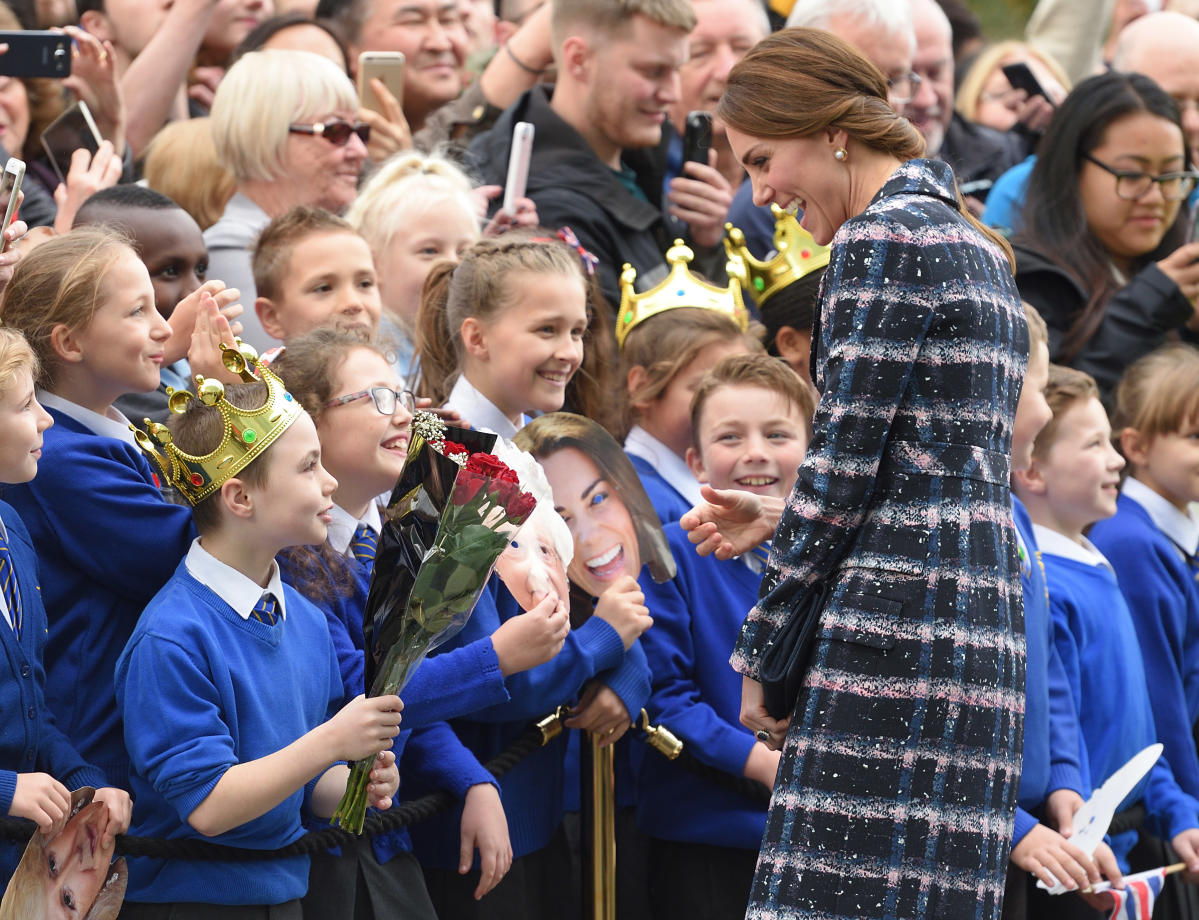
(450, 516)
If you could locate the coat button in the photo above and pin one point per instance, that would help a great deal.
(31, 712)
(26, 670)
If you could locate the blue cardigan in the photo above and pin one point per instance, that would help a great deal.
(202, 690)
(666, 499)
(532, 790)
(1162, 590)
(30, 742)
(697, 695)
(106, 542)
(1051, 733)
(1094, 635)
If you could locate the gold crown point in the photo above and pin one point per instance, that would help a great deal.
(796, 254)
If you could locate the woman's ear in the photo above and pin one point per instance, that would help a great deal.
(474, 338)
(65, 342)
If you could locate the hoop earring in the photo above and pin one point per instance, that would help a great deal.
(841, 154)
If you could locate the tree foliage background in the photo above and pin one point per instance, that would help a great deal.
(1002, 18)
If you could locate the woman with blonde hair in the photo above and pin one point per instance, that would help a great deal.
(181, 162)
(901, 753)
(986, 97)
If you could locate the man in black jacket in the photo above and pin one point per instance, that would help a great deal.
(596, 165)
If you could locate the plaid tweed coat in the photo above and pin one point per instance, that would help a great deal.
(899, 776)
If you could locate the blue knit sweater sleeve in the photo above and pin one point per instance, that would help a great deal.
(436, 758)
(1065, 737)
(630, 680)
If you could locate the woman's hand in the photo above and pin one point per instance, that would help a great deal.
(755, 717)
(728, 522)
(94, 80)
(1182, 267)
(485, 828)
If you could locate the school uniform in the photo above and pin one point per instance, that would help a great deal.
(382, 871)
(697, 695)
(671, 486)
(479, 411)
(106, 542)
(1152, 548)
(30, 742)
(205, 684)
(1095, 638)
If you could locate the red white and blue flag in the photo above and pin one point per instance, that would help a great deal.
(1135, 902)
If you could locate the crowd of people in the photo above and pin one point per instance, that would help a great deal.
(915, 338)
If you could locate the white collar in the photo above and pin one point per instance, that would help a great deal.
(112, 424)
(1183, 529)
(233, 587)
(670, 466)
(480, 411)
(1052, 543)
(3, 602)
(343, 525)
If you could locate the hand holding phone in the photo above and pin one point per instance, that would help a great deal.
(697, 137)
(73, 129)
(10, 192)
(1020, 76)
(519, 156)
(386, 66)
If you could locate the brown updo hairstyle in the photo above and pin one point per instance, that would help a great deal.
(798, 82)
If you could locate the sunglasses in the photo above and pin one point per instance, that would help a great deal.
(336, 132)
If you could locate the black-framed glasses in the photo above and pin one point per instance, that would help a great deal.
(1132, 184)
(384, 398)
(902, 90)
(336, 131)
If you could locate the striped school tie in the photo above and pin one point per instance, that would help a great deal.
(264, 610)
(363, 544)
(8, 583)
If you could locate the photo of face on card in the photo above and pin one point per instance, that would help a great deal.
(597, 492)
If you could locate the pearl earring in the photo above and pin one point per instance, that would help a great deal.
(841, 154)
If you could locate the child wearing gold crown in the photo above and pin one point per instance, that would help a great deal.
(230, 684)
(106, 538)
(670, 336)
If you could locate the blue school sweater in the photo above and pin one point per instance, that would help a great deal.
(30, 742)
(697, 695)
(532, 790)
(1051, 755)
(665, 498)
(1094, 635)
(1162, 589)
(429, 752)
(201, 690)
(106, 542)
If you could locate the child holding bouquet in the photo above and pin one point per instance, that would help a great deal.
(236, 721)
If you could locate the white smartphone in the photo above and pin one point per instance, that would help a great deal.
(10, 191)
(518, 166)
(387, 66)
(71, 130)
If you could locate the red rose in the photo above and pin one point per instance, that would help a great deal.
(467, 484)
(520, 506)
(509, 475)
(450, 448)
(487, 465)
(502, 490)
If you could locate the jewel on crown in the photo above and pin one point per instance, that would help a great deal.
(247, 432)
(796, 255)
(681, 288)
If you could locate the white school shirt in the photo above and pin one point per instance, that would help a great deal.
(3, 600)
(1183, 529)
(480, 411)
(671, 467)
(236, 589)
(343, 525)
(1055, 544)
(113, 424)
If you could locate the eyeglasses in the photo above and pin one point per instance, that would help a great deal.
(902, 90)
(336, 132)
(385, 399)
(1131, 185)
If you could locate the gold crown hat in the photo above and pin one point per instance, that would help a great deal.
(796, 255)
(247, 432)
(681, 288)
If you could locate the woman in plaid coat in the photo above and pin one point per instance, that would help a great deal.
(901, 761)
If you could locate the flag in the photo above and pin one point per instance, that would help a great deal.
(1135, 902)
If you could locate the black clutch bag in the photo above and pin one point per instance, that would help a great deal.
(785, 662)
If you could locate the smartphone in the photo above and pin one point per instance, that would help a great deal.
(697, 137)
(10, 191)
(519, 156)
(1021, 77)
(71, 130)
(36, 54)
(387, 66)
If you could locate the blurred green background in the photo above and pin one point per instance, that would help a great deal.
(1002, 18)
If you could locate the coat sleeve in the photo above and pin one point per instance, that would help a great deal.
(872, 329)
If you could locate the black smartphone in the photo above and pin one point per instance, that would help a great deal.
(697, 137)
(1021, 77)
(73, 129)
(36, 54)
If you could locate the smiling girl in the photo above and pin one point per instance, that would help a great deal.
(1102, 254)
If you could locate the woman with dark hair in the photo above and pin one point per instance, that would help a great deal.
(1102, 253)
(901, 757)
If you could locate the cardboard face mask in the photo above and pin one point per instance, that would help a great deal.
(69, 874)
(597, 492)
